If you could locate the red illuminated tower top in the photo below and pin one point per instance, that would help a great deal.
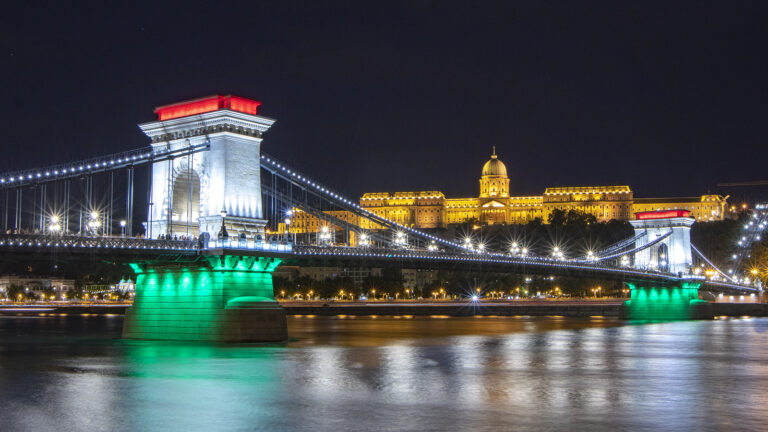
(664, 214)
(207, 104)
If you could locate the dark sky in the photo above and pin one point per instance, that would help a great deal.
(668, 97)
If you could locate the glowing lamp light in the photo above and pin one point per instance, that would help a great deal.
(207, 104)
(475, 297)
(662, 214)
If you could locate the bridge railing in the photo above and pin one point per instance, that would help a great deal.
(139, 243)
(249, 244)
(95, 242)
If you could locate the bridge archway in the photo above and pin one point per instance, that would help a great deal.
(186, 203)
(662, 255)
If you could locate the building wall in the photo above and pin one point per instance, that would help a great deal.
(703, 208)
(604, 202)
(37, 285)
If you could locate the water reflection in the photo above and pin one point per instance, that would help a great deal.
(73, 373)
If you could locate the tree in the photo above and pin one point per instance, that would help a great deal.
(14, 291)
(557, 217)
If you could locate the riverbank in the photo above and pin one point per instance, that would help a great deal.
(515, 308)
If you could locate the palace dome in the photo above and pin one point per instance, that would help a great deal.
(494, 167)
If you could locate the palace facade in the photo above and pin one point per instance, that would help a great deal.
(494, 205)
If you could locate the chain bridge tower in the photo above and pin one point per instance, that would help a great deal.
(672, 253)
(224, 295)
(191, 195)
(667, 235)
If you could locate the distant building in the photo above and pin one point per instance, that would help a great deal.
(355, 274)
(495, 205)
(418, 278)
(126, 286)
(38, 285)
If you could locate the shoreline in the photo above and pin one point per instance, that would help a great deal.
(319, 308)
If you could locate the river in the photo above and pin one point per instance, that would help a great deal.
(74, 373)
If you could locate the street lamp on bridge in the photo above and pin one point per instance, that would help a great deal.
(223, 234)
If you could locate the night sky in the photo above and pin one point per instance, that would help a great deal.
(667, 97)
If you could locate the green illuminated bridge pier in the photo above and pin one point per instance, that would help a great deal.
(203, 264)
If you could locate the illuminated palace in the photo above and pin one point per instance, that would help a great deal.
(494, 205)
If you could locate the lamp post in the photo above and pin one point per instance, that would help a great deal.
(94, 223)
(53, 227)
(288, 228)
(288, 220)
(123, 223)
(223, 234)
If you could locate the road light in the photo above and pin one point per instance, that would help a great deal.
(557, 253)
(288, 226)
(94, 224)
(123, 223)
(54, 227)
(223, 234)
(325, 235)
(400, 239)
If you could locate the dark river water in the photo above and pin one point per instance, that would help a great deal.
(74, 373)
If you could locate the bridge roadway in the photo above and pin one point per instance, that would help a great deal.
(19, 247)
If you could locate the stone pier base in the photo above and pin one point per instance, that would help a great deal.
(217, 299)
(666, 302)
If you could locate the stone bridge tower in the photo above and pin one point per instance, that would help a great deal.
(673, 254)
(191, 194)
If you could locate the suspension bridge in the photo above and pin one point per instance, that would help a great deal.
(209, 238)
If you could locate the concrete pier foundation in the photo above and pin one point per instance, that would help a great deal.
(215, 298)
(670, 302)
